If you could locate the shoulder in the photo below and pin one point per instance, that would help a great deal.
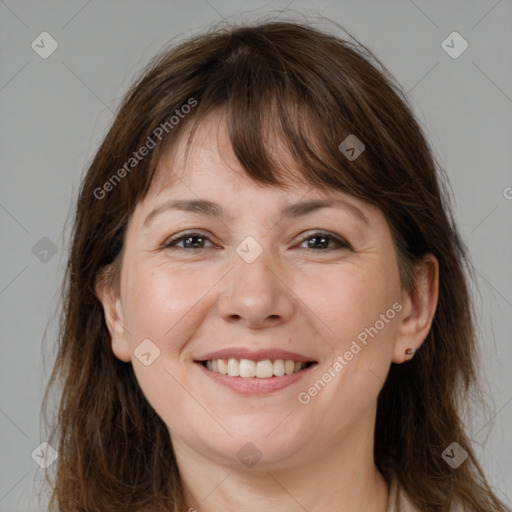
(399, 500)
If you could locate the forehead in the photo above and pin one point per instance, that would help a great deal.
(207, 162)
(213, 184)
(204, 168)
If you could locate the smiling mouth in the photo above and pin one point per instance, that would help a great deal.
(247, 368)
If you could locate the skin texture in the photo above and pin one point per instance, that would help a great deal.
(315, 302)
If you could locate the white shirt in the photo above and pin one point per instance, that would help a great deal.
(398, 500)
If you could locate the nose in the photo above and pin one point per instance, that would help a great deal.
(255, 294)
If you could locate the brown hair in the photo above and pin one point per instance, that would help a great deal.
(308, 89)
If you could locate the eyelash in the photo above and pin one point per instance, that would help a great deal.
(170, 244)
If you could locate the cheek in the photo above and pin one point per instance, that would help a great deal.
(166, 306)
(162, 302)
(358, 312)
(354, 303)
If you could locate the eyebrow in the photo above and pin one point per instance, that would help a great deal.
(294, 210)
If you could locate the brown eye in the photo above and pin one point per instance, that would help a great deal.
(190, 241)
(323, 240)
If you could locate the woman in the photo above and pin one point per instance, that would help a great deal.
(266, 305)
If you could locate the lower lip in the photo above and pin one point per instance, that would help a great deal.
(254, 385)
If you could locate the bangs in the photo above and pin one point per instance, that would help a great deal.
(285, 120)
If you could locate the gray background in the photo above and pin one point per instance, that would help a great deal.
(55, 111)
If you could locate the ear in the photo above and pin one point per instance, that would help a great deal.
(113, 315)
(419, 306)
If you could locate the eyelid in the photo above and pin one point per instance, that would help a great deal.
(342, 242)
(179, 236)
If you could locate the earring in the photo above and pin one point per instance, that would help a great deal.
(410, 352)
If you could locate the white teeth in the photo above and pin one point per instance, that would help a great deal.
(278, 367)
(233, 367)
(223, 367)
(247, 368)
(264, 369)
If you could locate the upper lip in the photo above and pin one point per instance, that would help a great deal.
(254, 355)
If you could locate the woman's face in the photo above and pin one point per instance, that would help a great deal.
(253, 279)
